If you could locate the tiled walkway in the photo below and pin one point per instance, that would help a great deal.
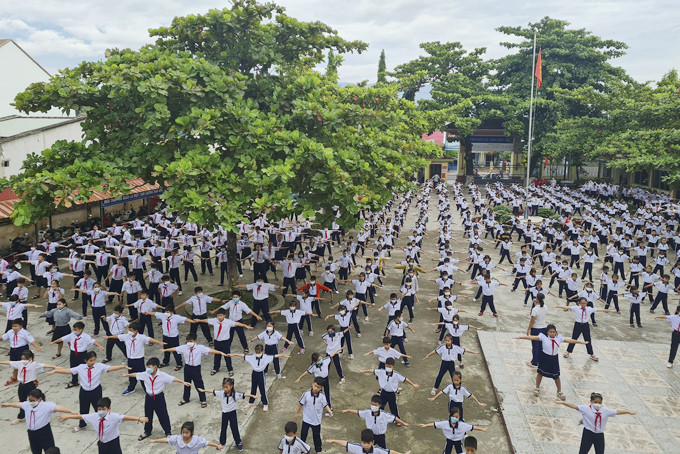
(626, 375)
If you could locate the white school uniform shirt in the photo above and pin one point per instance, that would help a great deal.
(305, 304)
(397, 329)
(540, 313)
(258, 364)
(155, 385)
(261, 292)
(38, 417)
(200, 303)
(595, 421)
(106, 427)
(117, 324)
(488, 289)
(392, 307)
(236, 309)
(170, 324)
(27, 372)
(292, 317)
(635, 299)
(551, 346)
(350, 304)
(21, 293)
(360, 286)
(664, 288)
(456, 394)
(229, 402)
(192, 356)
(320, 370)
(131, 287)
(312, 411)
(449, 354)
(377, 423)
(14, 312)
(222, 329)
(674, 320)
(343, 320)
(193, 447)
(89, 377)
(455, 433)
(79, 344)
(297, 446)
(456, 331)
(134, 346)
(155, 276)
(270, 338)
(289, 268)
(387, 382)
(98, 298)
(145, 305)
(333, 342)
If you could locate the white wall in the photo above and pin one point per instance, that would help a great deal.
(18, 72)
(15, 151)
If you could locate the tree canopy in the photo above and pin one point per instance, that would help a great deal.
(226, 111)
(572, 59)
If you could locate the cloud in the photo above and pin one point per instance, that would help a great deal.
(60, 34)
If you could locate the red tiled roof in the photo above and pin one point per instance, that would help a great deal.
(437, 137)
(8, 198)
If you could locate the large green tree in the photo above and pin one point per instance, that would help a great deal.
(225, 111)
(382, 68)
(631, 126)
(572, 59)
(460, 94)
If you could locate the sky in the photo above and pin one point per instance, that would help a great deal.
(63, 33)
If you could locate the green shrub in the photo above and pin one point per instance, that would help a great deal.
(546, 213)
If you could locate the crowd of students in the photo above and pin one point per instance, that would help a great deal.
(128, 277)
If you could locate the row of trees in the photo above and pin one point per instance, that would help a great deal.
(471, 88)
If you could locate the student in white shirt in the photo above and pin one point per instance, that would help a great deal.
(291, 443)
(188, 443)
(376, 420)
(389, 381)
(27, 370)
(313, 403)
(117, 324)
(369, 444)
(259, 362)
(89, 376)
(674, 320)
(457, 394)
(229, 399)
(454, 429)
(537, 325)
(38, 413)
(260, 291)
(154, 399)
(595, 418)
(105, 423)
(193, 353)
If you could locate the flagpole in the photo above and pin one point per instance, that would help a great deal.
(531, 124)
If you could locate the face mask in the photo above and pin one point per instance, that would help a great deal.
(77, 333)
(258, 355)
(102, 413)
(388, 369)
(191, 344)
(448, 307)
(34, 403)
(33, 249)
(393, 301)
(596, 407)
(375, 408)
(453, 419)
(312, 282)
(149, 370)
(343, 312)
(289, 439)
(292, 308)
(235, 299)
(199, 294)
(60, 307)
(447, 293)
(13, 304)
(25, 361)
(319, 363)
(270, 329)
(259, 284)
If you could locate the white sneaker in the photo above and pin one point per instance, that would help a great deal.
(351, 356)
(280, 377)
(406, 340)
(250, 406)
(180, 292)
(366, 318)
(265, 408)
(311, 333)
(669, 365)
(434, 391)
(342, 380)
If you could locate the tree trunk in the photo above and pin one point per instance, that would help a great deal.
(232, 256)
(469, 157)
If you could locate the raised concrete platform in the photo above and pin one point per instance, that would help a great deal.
(629, 375)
